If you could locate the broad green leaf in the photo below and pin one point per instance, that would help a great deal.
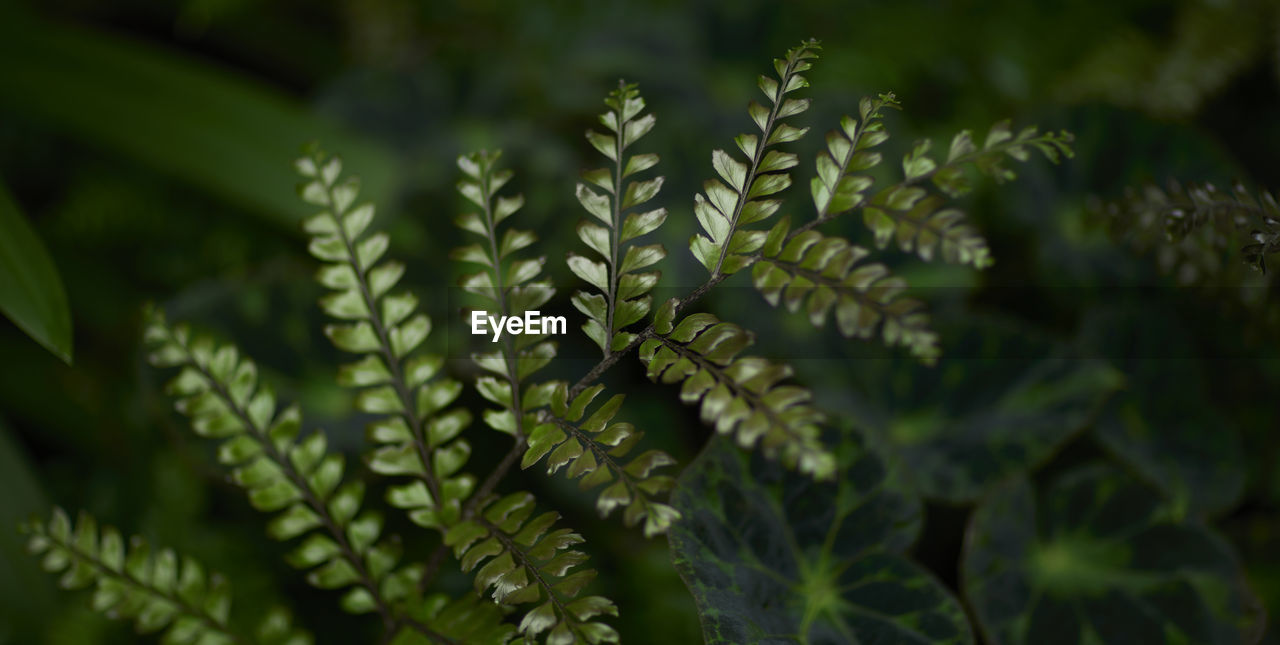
(773, 556)
(1163, 425)
(31, 293)
(997, 404)
(221, 132)
(1100, 558)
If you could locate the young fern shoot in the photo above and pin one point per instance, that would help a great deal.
(624, 290)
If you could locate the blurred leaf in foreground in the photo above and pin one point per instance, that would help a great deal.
(211, 128)
(31, 293)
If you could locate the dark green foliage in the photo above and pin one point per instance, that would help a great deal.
(825, 273)
(789, 531)
(1185, 446)
(159, 591)
(145, 145)
(344, 547)
(1195, 231)
(805, 268)
(1097, 557)
(969, 423)
(772, 556)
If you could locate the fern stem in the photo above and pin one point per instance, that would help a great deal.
(385, 612)
(384, 344)
(122, 574)
(755, 161)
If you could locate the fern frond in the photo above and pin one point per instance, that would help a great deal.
(824, 273)
(919, 220)
(725, 247)
(507, 285)
(527, 562)
(417, 435)
(158, 591)
(1191, 227)
(739, 394)
(623, 297)
(838, 188)
(592, 450)
(299, 478)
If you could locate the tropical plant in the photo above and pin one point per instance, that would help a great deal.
(790, 526)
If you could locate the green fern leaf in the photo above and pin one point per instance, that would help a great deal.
(919, 221)
(298, 478)
(739, 395)
(418, 434)
(519, 560)
(737, 198)
(623, 297)
(591, 451)
(508, 289)
(823, 274)
(838, 188)
(158, 590)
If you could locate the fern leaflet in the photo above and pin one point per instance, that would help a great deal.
(299, 478)
(158, 590)
(918, 221)
(417, 435)
(738, 395)
(802, 265)
(592, 449)
(528, 564)
(624, 288)
(724, 247)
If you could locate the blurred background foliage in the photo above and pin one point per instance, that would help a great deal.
(148, 144)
